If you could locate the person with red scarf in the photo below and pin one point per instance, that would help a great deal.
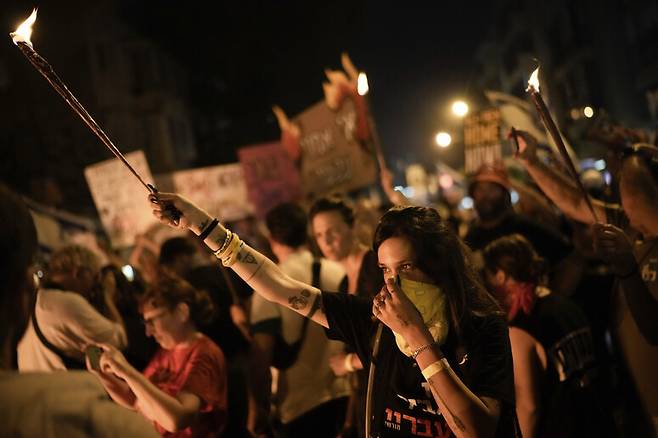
(555, 371)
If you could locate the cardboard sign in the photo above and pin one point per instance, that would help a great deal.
(120, 198)
(332, 160)
(270, 175)
(482, 142)
(221, 190)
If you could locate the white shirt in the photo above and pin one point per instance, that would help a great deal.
(68, 322)
(310, 381)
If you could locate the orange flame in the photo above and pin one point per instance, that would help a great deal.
(533, 82)
(24, 31)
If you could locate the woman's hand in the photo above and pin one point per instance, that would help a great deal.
(615, 248)
(113, 361)
(392, 307)
(191, 216)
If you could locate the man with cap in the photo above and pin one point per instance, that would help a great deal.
(490, 190)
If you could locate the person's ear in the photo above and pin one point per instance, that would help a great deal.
(499, 278)
(182, 312)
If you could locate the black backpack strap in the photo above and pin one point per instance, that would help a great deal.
(317, 265)
(69, 363)
(315, 282)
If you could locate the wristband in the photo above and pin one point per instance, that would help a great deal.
(436, 367)
(206, 232)
(348, 362)
(417, 351)
(227, 239)
(232, 251)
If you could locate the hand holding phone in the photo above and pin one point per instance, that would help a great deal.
(94, 354)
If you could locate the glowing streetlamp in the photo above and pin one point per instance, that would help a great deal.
(362, 84)
(588, 112)
(459, 108)
(443, 139)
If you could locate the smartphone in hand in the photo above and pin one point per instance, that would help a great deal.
(94, 355)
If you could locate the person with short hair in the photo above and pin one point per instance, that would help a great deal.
(556, 374)
(444, 361)
(308, 392)
(183, 389)
(64, 322)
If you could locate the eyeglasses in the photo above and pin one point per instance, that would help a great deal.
(148, 322)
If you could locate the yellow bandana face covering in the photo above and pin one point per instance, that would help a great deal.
(430, 301)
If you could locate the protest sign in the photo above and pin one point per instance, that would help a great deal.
(220, 189)
(482, 140)
(270, 175)
(332, 160)
(120, 198)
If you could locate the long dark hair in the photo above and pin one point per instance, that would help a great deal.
(444, 257)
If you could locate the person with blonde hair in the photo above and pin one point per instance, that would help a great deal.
(63, 322)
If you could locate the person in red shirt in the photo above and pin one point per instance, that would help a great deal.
(183, 389)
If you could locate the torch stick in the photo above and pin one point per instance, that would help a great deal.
(47, 72)
(21, 37)
(542, 109)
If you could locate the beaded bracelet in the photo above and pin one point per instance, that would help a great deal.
(419, 350)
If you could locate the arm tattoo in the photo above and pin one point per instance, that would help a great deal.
(317, 303)
(458, 422)
(202, 225)
(247, 257)
(300, 301)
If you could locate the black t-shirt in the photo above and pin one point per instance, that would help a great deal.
(403, 405)
(573, 400)
(547, 242)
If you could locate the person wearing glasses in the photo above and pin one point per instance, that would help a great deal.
(444, 361)
(183, 388)
(626, 238)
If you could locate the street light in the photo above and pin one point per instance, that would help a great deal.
(443, 139)
(588, 112)
(459, 108)
(362, 84)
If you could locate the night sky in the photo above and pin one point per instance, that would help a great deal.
(243, 57)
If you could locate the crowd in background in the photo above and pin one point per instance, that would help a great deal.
(188, 346)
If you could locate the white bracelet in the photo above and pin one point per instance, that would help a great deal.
(348, 362)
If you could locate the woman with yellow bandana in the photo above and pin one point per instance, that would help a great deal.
(444, 364)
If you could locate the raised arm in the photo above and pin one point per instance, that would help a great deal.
(557, 186)
(259, 272)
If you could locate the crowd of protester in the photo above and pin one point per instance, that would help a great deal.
(322, 322)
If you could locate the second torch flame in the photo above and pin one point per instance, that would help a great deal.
(533, 82)
(24, 31)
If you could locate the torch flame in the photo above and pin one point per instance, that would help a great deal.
(24, 31)
(533, 82)
(362, 84)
